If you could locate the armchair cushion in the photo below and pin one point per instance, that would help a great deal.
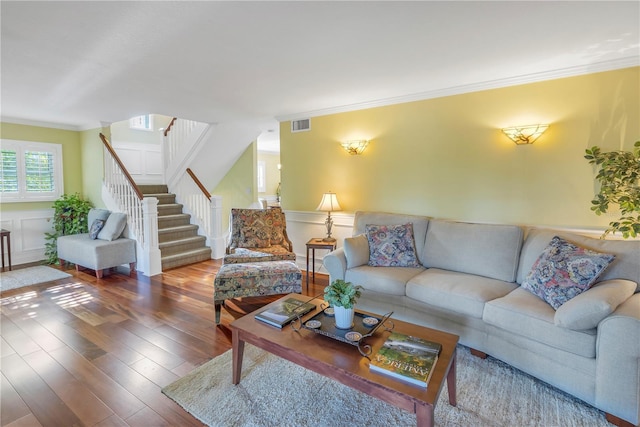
(255, 237)
(258, 235)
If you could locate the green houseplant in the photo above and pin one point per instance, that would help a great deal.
(342, 296)
(69, 217)
(619, 179)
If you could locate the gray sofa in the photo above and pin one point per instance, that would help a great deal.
(468, 283)
(108, 248)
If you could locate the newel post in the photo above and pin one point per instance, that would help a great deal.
(216, 238)
(151, 256)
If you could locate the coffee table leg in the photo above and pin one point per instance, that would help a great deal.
(451, 381)
(424, 415)
(237, 349)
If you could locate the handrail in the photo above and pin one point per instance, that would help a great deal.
(166, 131)
(121, 165)
(199, 184)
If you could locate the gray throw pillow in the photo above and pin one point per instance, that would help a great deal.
(587, 310)
(114, 226)
(356, 250)
(94, 214)
(95, 228)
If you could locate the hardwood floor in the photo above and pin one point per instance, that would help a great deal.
(86, 352)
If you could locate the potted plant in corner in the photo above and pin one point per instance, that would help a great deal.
(342, 296)
(619, 179)
(70, 217)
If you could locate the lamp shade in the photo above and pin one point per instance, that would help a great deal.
(329, 203)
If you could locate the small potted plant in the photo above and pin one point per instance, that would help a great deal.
(342, 296)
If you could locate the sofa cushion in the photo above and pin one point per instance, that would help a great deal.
(420, 224)
(113, 228)
(625, 266)
(391, 245)
(386, 280)
(95, 228)
(482, 249)
(459, 292)
(524, 314)
(588, 309)
(564, 270)
(356, 250)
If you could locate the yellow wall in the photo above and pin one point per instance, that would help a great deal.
(71, 157)
(448, 158)
(271, 161)
(93, 164)
(238, 188)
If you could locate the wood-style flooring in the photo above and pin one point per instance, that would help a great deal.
(86, 352)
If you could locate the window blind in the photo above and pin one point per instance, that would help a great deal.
(8, 171)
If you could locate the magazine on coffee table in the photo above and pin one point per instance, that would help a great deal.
(406, 358)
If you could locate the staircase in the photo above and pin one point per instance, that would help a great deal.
(178, 239)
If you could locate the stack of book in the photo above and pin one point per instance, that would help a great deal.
(283, 312)
(406, 358)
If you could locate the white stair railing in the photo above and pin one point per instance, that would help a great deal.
(175, 136)
(142, 214)
(205, 210)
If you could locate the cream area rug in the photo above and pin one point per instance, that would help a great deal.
(29, 276)
(275, 392)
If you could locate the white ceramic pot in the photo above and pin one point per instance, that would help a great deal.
(344, 317)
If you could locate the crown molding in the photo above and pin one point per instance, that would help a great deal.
(631, 61)
(17, 121)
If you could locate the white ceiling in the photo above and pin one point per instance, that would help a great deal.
(82, 64)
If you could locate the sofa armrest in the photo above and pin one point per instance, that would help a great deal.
(618, 362)
(336, 264)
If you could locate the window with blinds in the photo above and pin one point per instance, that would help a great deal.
(8, 171)
(30, 171)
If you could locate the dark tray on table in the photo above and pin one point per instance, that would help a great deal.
(328, 327)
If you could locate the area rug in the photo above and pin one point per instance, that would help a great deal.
(275, 392)
(29, 276)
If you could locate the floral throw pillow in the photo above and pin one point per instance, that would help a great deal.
(255, 237)
(391, 245)
(564, 270)
(96, 226)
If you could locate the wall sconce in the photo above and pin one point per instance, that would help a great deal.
(328, 204)
(355, 147)
(525, 134)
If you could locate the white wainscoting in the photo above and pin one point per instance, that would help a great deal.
(27, 234)
(143, 161)
(302, 226)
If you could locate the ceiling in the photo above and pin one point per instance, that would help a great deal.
(78, 65)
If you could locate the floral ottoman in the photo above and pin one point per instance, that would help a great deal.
(255, 279)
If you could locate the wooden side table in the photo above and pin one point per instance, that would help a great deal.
(5, 234)
(313, 244)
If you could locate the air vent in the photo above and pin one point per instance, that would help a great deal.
(300, 125)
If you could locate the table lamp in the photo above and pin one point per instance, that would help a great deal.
(328, 204)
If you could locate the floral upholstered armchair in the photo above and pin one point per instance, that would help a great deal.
(258, 235)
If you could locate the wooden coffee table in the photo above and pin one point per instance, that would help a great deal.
(344, 363)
